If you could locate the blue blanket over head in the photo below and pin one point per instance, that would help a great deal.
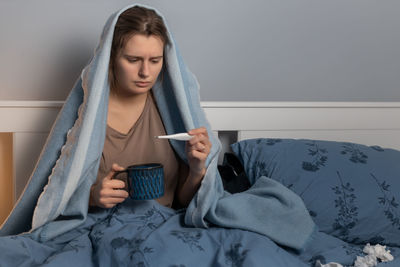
(55, 200)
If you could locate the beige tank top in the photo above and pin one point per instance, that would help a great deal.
(139, 146)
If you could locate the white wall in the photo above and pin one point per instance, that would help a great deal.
(265, 50)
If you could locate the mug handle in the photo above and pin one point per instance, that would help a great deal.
(127, 180)
(118, 173)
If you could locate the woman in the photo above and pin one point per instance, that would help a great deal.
(133, 120)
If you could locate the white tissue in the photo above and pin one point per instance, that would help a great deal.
(330, 264)
(367, 261)
(374, 253)
(379, 252)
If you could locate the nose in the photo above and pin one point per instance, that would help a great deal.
(144, 70)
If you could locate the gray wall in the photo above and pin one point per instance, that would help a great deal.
(266, 50)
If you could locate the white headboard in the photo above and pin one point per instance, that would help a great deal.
(370, 123)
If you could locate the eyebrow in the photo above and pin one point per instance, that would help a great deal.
(132, 56)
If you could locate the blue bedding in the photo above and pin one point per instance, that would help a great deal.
(145, 233)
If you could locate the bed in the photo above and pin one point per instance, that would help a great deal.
(341, 158)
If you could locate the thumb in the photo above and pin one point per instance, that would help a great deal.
(115, 168)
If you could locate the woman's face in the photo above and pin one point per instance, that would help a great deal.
(138, 64)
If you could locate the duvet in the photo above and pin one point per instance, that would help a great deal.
(144, 233)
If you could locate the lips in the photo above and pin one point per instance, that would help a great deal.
(142, 84)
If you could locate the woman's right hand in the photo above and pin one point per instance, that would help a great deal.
(108, 192)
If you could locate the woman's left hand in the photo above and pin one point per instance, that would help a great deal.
(197, 150)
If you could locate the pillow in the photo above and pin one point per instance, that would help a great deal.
(352, 191)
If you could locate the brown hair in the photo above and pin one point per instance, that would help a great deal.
(135, 20)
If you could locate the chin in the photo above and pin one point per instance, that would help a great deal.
(140, 90)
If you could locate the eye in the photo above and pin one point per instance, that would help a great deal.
(133, 60)
(155, 61)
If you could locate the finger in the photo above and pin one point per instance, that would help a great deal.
(116, 167)
(198, 155)
(206, 142)
(193, 141)
(201, 130)
(197, 130)
(111, 202)
(200, 143)
(208, 145)
(199, 147)
(196, 144)
(198, 138)
(114, 193)
(115, 184)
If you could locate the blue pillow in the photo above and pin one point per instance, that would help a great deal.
(352, 191)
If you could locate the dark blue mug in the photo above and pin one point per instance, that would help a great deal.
(145, 181)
